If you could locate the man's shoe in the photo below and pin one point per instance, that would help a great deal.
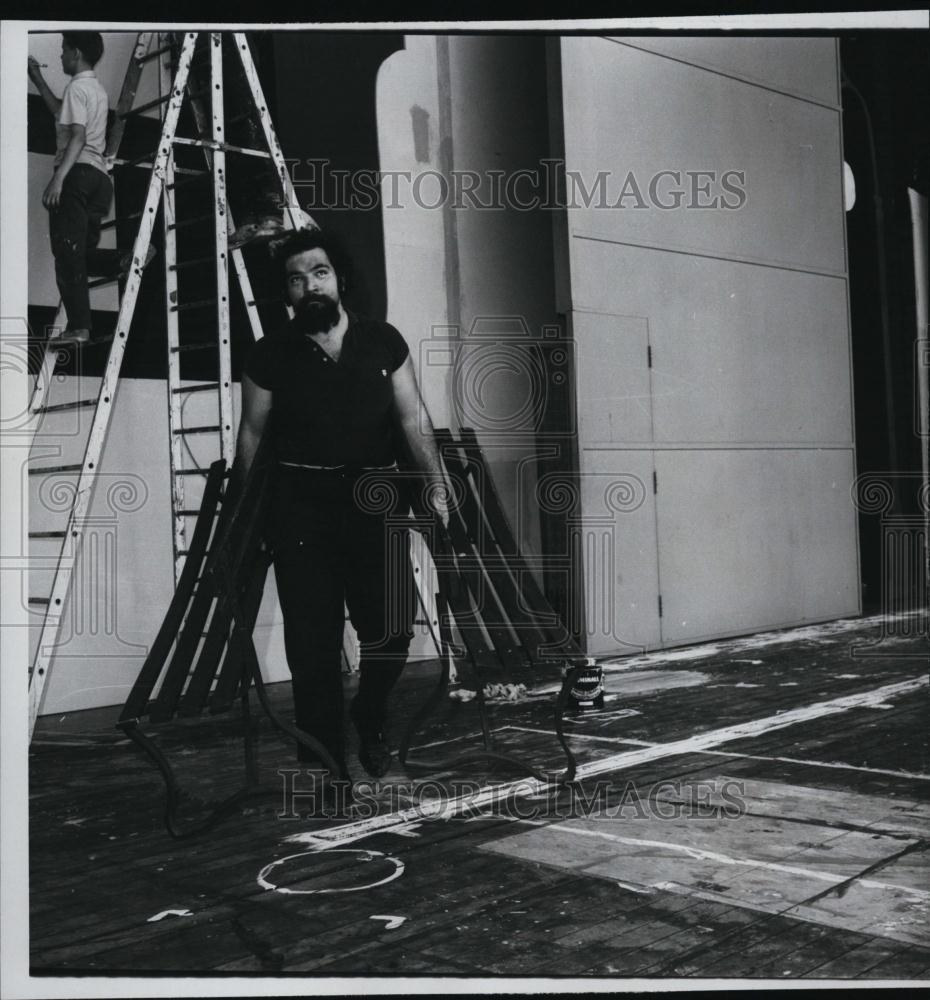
(261, 229)
(374, 754)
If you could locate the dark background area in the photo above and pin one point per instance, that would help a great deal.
(890, 72)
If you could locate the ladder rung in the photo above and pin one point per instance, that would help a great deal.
(201, 346)
(47, 534)
(196, 388)
(55, 468)
(266, 301)
(39, 600)
(205, 429)
(197, 175)
(186, 513)
(145, 161)
(111, 223)
(191, 472)
(190, 222)
(199, 304)
(103, 281)
(146, 107)
(66, 406)
(140, 161)
(154, 54)
(225, 147)
(193, 262)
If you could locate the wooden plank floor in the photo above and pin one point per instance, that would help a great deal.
(753, 809)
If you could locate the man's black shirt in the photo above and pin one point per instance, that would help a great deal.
(329, 412)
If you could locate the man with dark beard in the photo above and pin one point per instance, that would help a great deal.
(338, 388)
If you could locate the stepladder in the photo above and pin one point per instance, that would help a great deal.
(177, 173)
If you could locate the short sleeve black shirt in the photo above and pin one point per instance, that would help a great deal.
(329, 412)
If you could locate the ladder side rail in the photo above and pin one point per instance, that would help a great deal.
(127, 95)
(104, 409)
(292, 210)
(175, 415)
(227, 438)
(176, 442)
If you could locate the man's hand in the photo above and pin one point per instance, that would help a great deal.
(440, 501)
(52, 195)
(34, 69)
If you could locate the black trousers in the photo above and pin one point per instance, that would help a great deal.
(74, 229)
(339, 541)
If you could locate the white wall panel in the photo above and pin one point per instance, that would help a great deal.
(750, 423)
(741, 353)
(611, 364)
(629, 111)
(754, 539)
(617, 523)
(802, 66)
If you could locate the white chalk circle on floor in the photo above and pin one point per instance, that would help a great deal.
(363, 856)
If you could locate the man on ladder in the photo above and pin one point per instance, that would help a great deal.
(79, 194)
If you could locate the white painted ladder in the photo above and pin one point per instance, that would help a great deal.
(160, 191)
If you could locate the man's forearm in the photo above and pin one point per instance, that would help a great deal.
(72, 151)
(52, 102)
(246, 447)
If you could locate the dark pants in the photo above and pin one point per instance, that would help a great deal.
(74, 228)
(334, 545)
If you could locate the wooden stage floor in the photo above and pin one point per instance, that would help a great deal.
(756, 808)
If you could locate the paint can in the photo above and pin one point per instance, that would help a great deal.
(587, 691)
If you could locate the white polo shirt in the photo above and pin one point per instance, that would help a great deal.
(84, 102)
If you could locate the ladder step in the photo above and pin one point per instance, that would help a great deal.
(193, 262)
(191, 221)
(142, 108)
(39, 600)
(203, 387)
(146, 163)
(154, 54)
(55, 468)
(47, 534)
(97, 282)
(201, 346)
(145, 160)
(186, 513)
(225, 147)
(199, 304)
(199, 472)
(78, 404)
(197, 175)
(112, 223)
(205, 429)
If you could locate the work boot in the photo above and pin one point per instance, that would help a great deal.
(374, 754)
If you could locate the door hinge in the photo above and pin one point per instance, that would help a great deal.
(660, 605)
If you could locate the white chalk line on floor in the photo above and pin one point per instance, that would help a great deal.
(490, 795)
(675, 657)
(741, 756)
